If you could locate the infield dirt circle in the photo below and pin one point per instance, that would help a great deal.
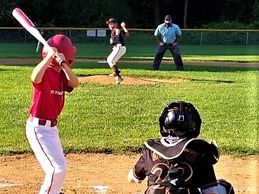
(105, 79)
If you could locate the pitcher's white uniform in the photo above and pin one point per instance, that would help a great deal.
(118, 47)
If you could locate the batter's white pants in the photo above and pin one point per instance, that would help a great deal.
(117, 52)
(46, 145)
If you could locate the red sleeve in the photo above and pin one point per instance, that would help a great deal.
(65, 82)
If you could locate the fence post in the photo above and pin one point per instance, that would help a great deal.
(70, 34)
(201, 38)
(247, 36)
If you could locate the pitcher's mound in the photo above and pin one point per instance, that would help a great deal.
(105, 79)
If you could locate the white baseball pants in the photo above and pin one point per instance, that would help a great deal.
(117, 52)
(45, 143)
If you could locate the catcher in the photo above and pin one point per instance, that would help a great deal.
(179, 162)
(118, 46)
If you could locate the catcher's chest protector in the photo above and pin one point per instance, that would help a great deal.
(187, 157)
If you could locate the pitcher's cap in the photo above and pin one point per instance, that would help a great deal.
(111, 20)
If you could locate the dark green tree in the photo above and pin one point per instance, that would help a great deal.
(256, 11)
(5, 13)
(236, 10)
(137, 14)
(185, 13)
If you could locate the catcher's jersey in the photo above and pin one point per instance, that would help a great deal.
(155, 168)
(48, 96)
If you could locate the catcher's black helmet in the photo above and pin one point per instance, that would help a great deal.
(180, 119)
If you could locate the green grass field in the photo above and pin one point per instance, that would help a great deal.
(145, 51)
(118, 119)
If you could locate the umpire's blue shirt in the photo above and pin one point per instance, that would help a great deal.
(168, 34)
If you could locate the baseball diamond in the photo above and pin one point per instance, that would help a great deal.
(129, 97)
(134, 107)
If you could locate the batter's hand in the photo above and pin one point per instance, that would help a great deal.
(60, 58)
(51, 52)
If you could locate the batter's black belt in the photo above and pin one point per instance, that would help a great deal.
(53, 123)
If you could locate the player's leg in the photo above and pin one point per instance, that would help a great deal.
(159, 56)
(47, 148)
(116, 54)
(177, 57)
(119, 52)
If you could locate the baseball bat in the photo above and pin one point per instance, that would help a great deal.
(22, 18)
(30, 27)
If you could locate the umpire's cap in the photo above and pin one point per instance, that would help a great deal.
(168, 17)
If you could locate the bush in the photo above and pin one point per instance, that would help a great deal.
(229, 25)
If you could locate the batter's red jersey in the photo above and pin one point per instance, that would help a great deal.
(49, 95)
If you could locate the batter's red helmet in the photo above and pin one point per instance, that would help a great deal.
(64, 45)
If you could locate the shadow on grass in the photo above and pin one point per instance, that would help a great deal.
(215, 81)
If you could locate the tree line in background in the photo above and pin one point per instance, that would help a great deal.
(136, 13)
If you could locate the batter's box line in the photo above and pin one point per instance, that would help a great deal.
(6, 184)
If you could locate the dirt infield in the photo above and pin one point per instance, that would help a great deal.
(22, 174)
(105, 79)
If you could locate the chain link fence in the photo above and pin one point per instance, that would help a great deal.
(137, 36)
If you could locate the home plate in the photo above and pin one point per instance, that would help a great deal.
(7, 184)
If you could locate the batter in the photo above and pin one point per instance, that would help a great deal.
(51, 78)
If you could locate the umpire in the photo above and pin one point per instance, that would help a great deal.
(167, 35)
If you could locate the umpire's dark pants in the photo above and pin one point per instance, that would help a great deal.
(175, 54)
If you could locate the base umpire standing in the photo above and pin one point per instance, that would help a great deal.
(167, 35)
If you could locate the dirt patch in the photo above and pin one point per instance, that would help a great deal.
(22, 174)
(17, 61)
(105, 79)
